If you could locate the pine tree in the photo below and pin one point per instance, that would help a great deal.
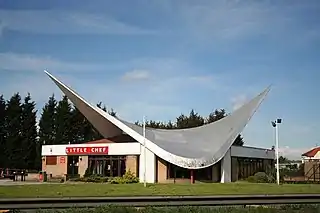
(216, 115)
(29, 140)
(2, 131)
(82, 129)
(63, 122)
(195, 119)
(14, 150)
(47, 122)
(182, 122)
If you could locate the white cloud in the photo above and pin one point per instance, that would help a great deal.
(65, 22)
(235, 20)
(136, 75)
(292, 153)
(161, 96)
(238, 101)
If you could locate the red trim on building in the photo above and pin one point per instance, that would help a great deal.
(312, 152)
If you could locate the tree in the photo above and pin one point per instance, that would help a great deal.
(14, 150)
(283, 159)
(2, 131)
(47, 123)
(216, 115)
(82, 129)
(112, 113)
(63, 122)
(219, 114)
(29, 140)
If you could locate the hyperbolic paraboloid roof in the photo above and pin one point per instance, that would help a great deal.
(192, 148)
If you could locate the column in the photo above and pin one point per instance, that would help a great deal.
(226, 168)
(150, 165)
(191, 176)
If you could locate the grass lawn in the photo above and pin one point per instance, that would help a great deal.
(96, 189)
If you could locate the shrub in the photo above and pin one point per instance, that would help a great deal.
(261, 177)
(87, 173)
(128, 177)
(251, 179)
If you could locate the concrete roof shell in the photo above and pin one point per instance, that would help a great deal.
(192, 148)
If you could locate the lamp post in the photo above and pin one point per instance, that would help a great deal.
(276, 133)
(144, 151)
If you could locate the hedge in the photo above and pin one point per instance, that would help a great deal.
(128, 177)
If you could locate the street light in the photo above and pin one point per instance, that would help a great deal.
(144, 151)
(275, 126)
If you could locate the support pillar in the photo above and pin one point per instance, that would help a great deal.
(191, 176)
(149, 164)
(226, 168)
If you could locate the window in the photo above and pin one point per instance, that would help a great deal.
(177, 172)
(110, 166)
(51, 160)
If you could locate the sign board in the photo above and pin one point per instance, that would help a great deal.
(62, 160)
(97, 150)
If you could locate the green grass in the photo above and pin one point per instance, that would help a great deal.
(96, 189)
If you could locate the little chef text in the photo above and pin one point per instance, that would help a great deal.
(87, 150)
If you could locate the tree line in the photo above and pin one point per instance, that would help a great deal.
(61, 123)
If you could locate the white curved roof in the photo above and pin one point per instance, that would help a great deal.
(192, 148)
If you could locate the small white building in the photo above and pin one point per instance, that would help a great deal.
(313, 154)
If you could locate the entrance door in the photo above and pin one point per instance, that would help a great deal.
(73, 166)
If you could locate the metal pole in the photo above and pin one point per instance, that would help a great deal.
(144, 152)
(277, 152)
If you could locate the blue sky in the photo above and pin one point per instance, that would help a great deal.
(163, 58)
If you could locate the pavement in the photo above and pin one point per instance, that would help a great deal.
(7, 182)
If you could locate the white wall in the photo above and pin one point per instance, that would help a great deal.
(252, 152)
(114, 148)
(150, 163)
(226, 168)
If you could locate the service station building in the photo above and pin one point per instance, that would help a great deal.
(203, 153)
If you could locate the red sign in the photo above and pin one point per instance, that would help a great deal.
(97, 150)
(62, 160)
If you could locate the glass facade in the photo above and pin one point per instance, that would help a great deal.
(110, 166)
(174, 171)
(73, 166)
(249, 166)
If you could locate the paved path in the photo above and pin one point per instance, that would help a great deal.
(6, 182)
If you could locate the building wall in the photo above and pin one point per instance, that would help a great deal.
(162, 170)
(132, 164)
(156, 169)
(216, 172)
(226, 168)
(147, 160)
(312, 170)
(234, 169)
(252, 152)
(58, 170)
